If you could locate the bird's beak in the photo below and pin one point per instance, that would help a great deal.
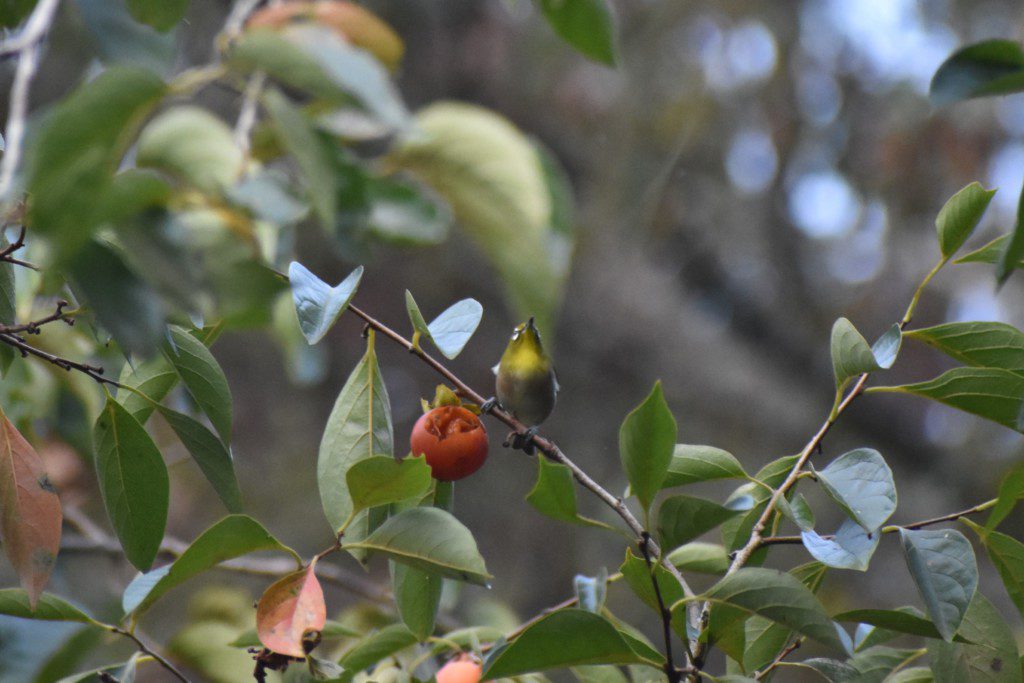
(530, 325)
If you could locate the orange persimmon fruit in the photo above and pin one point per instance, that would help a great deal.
(461, 670)
(453, 439)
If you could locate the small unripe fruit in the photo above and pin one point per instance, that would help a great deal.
(454, 441)
(460, 671)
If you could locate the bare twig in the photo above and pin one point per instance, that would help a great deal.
(664, 612)
(27, 45)
(786, 651)
(951, 517)
(32, 327)
(247, 114)
(7, 253)
(147, 650)
(26, 349)
(542, 444)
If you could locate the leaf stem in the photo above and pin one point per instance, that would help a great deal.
(920, 288)
(147, 651)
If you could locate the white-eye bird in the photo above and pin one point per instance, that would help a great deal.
(526, 383)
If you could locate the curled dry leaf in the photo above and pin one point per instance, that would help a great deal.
(30, 515)
(291, 607)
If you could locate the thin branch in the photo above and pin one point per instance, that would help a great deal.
(32, 327)
(786, 651)
(247, 114)
(7, 253)
(542, 444)
(951, 517)
(26, 45)
(146, 650)
(666, 614)
(26, 349)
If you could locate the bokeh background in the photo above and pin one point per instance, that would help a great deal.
(750, 172)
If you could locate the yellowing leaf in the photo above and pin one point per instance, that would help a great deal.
(495, 181)
(30, 515)
(288, 609)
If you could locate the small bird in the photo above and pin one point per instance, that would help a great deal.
(526, 383)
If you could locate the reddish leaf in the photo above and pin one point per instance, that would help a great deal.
(30, 516)
(288, 609)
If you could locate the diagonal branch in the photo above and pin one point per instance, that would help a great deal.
(545, 446)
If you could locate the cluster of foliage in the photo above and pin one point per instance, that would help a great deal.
(165, 227)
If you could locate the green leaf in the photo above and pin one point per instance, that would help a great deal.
(554, 494)
(419, 325)
(978, 344)
(851, 355)
(133, 482)
(417, 597)
(1014, 251)
(405, 214)
(317, 304)
(850, 548)
(192, 145)
(763, 638)
(887, 347)
(359, 427)
(231, 537)
(1007, 554)
(704, 558)
(565, 638)
(155, 378)
(203, 377)
(960, 216)
(315, 59)
(599, 673)
(797, 511)
(861, 483)
(776, 596)
(692, 464)
(118, 39)
(1011, 490)
(375, 647)
(493, 178)
(452, 330)
(14, 602)
(210, 453)
(637, 574)
(380, 480)
(128, 308)
(77, 149)
(587, 25)
(993, 659)
(913, 674)
(429, 539)
(992, 393)
(990, 253)
(160, 14)
(991, 67)
(902, 620)
(156, 244)
(942, 564)
(684, 518)
(314, 160)
(646, 443)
